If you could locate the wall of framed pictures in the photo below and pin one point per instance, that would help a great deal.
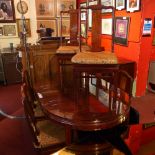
(48, 15)
(11, 24)
(130, 40)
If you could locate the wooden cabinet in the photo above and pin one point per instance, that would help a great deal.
(42, 62)
(9, 72)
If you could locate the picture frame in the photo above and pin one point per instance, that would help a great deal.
(65, 27)
(45, 9)
(147, 27)
(133, 5)
(65, 5)
(9, 30)
(7, 11)
(1, 31)
(107, 3)
(48, 24)
(83, 14)
(90, 13)
(107, 26)
(20, 27)
(120, 4)
(121, 30)
(83, 30)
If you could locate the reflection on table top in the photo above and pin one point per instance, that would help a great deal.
(62, 108)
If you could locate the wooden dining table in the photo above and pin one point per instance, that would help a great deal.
(64, 108)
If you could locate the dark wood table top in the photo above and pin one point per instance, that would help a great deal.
(62, 108)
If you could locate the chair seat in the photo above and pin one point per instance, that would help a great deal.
(50, 133)
(67, 50)
(38, 112)
(105, 57)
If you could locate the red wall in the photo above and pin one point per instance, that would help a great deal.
(139, 48)
(147, 51)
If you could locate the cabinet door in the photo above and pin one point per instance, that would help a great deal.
(12, 75)
(2, 75)
(44, 65)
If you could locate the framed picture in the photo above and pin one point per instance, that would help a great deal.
(65, 5)
(133, 5)
(48, 24)
(107, 26)
(107, 3)
(147, 27)
(20, 27)
(45, 9)
(83, 14)
(120, 4)
(90, 14)
(1, 31)
(7, 11)
(121, 30)
(65, 27)
(9, 30)
(83, 30)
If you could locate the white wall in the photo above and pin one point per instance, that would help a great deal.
(31, 14)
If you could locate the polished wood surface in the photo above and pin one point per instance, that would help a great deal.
(64, 109)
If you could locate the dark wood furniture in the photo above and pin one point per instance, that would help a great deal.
(82, 115)
(43, 131)
(66, 52)
(10, 67)
(42, 61)
(84, 112)
(68, 109)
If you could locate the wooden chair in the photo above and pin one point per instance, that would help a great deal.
(66, 52)
(120, 92)
(47, 136)
(31, 96)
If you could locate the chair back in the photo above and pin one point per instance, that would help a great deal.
(30, 93)
(120, 93)
(73, 30)
(31, 120)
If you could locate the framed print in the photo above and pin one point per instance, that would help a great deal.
(107, 26)
(20, 27)
(121, 30)
(83, 14)
(107, 3)
(65, 27)
(1, 31)
(65, 5)
(45, 9)
(83, 30)
(90, 14)
(147, 27)
(120, 4)
(48, 24)
(133, 5)
(9, 30)
(7, 11)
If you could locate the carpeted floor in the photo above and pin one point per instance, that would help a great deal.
(15, 138)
